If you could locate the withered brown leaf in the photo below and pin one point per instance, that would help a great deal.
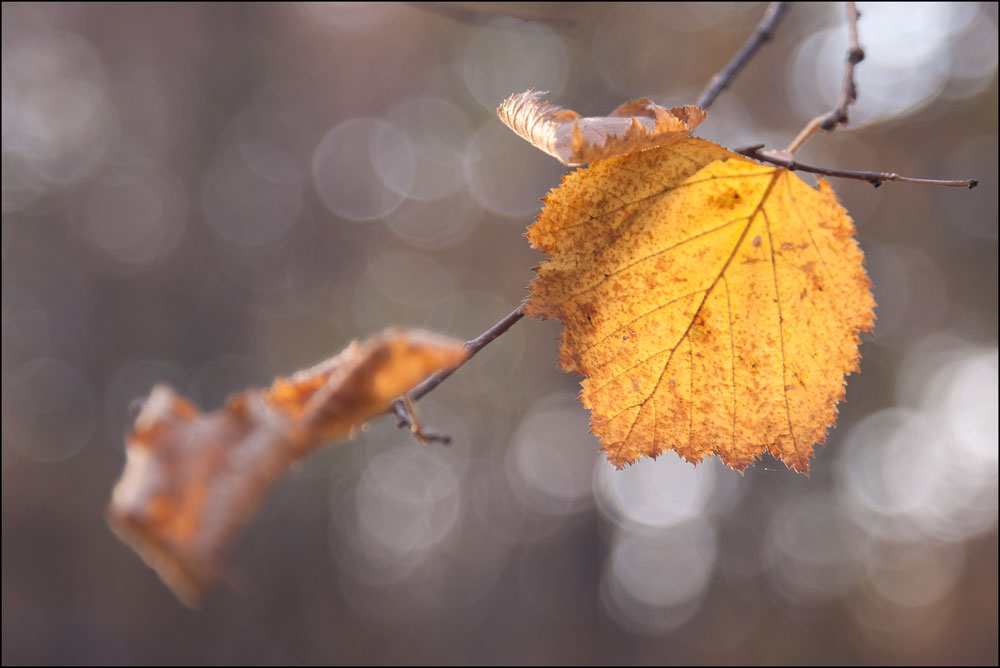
(575, 140)
(192, 480)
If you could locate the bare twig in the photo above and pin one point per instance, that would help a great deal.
(764, 32)
(785, 159)
(838, 117)
(404, 417)
(406, 414)
(848, 91)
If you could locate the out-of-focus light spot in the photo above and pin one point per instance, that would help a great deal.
(356, 552)
(363, 169)
(49, 410)
(54, 82)
(655, 579)
(352, 16)
(972, 58)
(251, 203)
(930, 472)
(396, 520)
(55, 114)
(659, 493)
(808, 549)
(509, 56)
(131, 384)
(408, 499)
(915, 575)
(506, 174)
(904, 39)
(377, 582)
(633, 55)
(960, 400)
(551, 457)
(890, 471)
(269, 162)
(965, 392)
(439, 223)
(438, 132)
(924, 358)
(226, 375)
(135, 215)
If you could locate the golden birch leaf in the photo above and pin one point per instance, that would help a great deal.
(714, 304)
(574, 140)
(192, 480)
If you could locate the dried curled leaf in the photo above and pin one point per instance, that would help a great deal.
(713, 303)
(192, 480)
(575, 140)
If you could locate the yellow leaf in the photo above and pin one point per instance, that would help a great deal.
(192, 480)
(713, 303)
(574, 140)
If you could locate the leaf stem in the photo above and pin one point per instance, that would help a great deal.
(784, 159)
(765, 31)
(404, 416)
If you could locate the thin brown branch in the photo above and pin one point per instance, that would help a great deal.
(785, 159)
(404, 417)
(837, 117)
(764, 32)
(849, 89)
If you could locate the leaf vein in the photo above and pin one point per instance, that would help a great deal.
(781, 334)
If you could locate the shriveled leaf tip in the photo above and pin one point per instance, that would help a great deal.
(575, 140)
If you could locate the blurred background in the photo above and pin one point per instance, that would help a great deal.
(214, 194)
